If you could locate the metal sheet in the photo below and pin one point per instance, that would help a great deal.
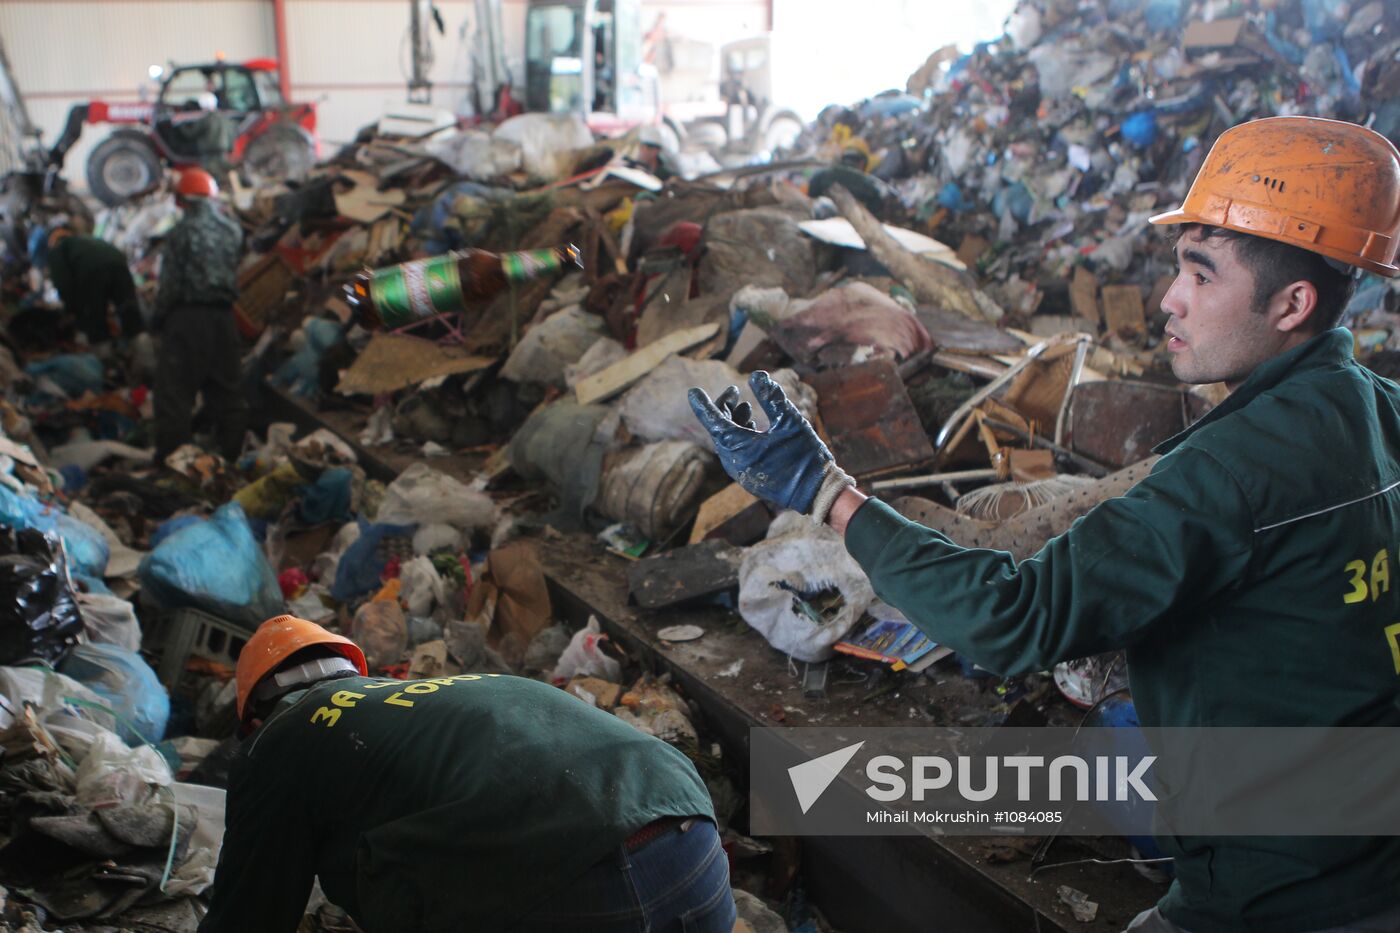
(1118, 423)
(870, 419)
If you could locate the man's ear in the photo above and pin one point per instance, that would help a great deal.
(1293, 307)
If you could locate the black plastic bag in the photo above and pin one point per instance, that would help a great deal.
(39, 617)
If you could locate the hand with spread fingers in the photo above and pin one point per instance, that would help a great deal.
(787, 465)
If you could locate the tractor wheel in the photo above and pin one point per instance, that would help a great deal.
(122, 166)
(284, 152)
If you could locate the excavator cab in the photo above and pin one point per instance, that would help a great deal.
(585, 57)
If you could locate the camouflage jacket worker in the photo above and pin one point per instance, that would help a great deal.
(200, 261)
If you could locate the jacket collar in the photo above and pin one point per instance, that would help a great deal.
(1325, 351)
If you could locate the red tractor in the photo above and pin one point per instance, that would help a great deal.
(223, 110)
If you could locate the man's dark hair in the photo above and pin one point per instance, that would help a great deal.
(1274, 265)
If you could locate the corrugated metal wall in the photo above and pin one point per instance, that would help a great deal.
(64, 52)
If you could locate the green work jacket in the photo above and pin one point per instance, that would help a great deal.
(451, 804)
(1248, 577)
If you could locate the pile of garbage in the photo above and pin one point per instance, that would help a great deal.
(1045, 151)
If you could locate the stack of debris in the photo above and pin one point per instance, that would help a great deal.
(1042, 154)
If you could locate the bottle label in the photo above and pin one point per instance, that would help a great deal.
(529, 264)
(416, 290)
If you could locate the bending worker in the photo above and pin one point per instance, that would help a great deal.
(93, 280)
(1228, 574)
(199, 346)
(476, 802)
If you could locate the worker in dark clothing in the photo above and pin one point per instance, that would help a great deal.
(94, 281)
(1233, 574)
(199, 348)
(475, 802)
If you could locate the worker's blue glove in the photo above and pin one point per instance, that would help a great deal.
(787, 465)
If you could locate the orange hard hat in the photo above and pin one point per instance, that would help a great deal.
(278, 639)
(1321, 185)
(196, 183)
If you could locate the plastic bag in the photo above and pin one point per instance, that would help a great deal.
(547, 142)
(360, 566)
(328, 499)
(782, 580)
(216, 566)
(129, 686)
(583, 657)
(74, 373)
(430, 538)
(301, 372)
(110, 620)
(422, 587)
(381, 631)
(55, 698)
(114, 775)
(603, 353)
(552, 345)
(476, 154)
(423, 496)
(84, 546)
(656, 409)
(39, 618)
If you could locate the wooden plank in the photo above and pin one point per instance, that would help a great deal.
(870, 419)
(931, 282)
(1083, 295)
(1122, 310)
(684, 574)
(625, 372)
(732, 515)
(397, 361)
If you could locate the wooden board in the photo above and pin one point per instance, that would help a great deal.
(262, 290)
(1083, 295)
(1122, 310)
(397, 361)
(732, 515)
(870, 419)
(684, 574)
(625, 372)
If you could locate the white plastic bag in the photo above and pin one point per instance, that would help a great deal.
(114, 775)
(799, 559)
(53, 695)
(424, 496)
(656, 409)
(552, 345)
(422, 587)
(110, 620)
(195, 874)
(430, 538)
(547, 141)
(583, 657)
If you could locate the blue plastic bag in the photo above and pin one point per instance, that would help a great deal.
(171, 525)
(301, 372)
(327, 499)
(86, 549)
(74, 373)
(129, 686)
(361, 565)
(216, 566)
(1140, 129)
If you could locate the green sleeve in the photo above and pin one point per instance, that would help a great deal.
(268, 861)
(1178, 537)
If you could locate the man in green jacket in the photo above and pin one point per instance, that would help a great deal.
(477, 802)
(93, 280)
(1248, 576)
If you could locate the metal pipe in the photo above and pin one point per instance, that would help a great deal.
(1076, 372)
(985, 393)
(933, 479)
(284, 65)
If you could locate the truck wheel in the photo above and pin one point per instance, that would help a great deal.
(122, 166)
(284, 152)
(782, 132)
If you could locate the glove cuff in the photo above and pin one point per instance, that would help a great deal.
(834, 482)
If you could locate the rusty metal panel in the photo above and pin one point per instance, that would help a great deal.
(1118, 423)
(870, 419)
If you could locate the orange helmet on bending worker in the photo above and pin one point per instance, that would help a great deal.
(1325, 186)
(196, 183)
(274, 642)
